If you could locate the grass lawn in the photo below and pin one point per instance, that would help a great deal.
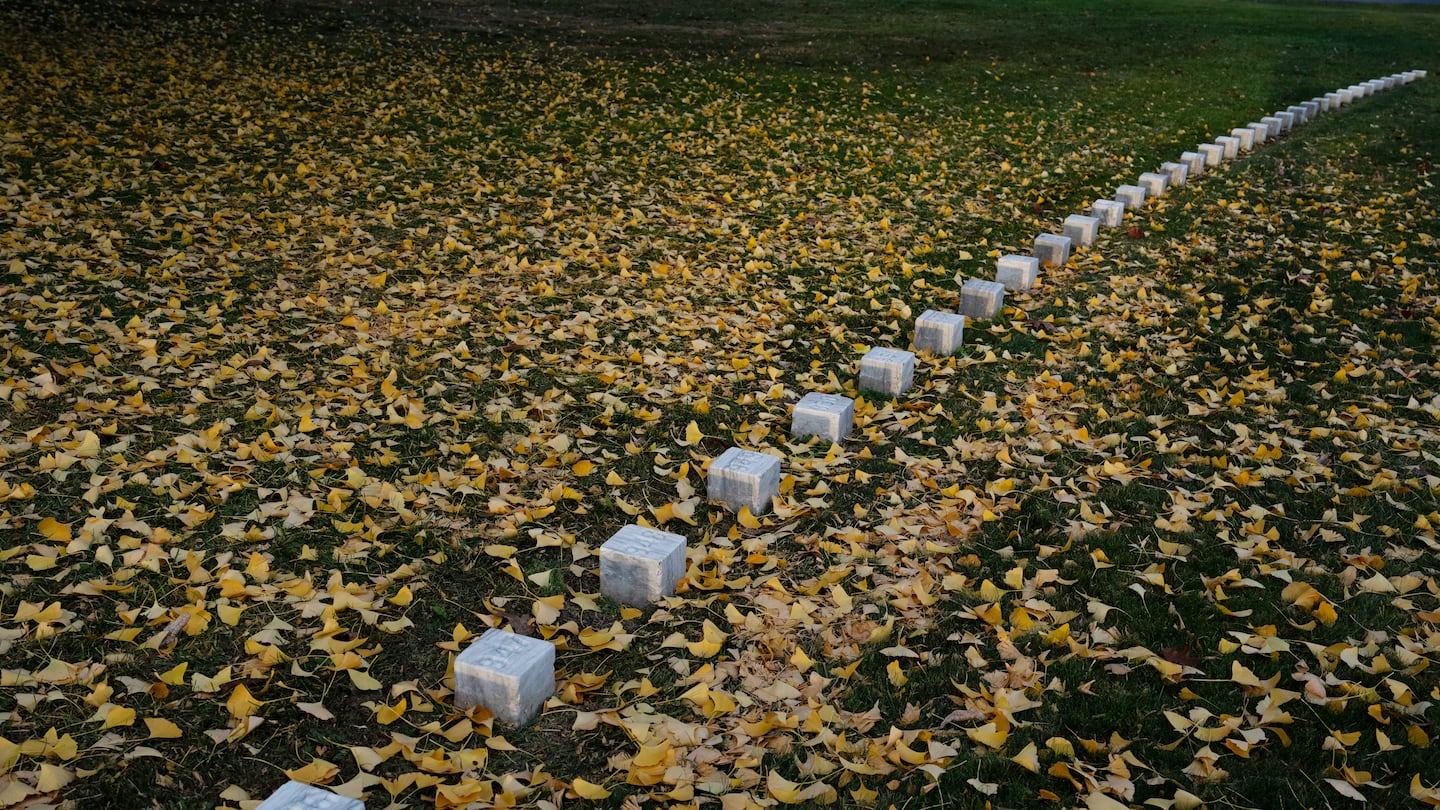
(333, 334)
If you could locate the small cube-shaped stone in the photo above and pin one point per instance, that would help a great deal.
(888, 371)
(300, 796)
(741, 478)
(1300, 111)
(1246, 136)
(1287, 120)
(1323, 102)
(1194, 161)
(981, 300)
(1312, 109)
(939, 333)
(1347, 96)
(1390, 82)
(509, 674)
(1017, 272)
(1081, 229)
(1053, 250)
(1178, 173)
(1213, 153)
(829, 416)
(1110, 212)
(1230, 144)
(1155, 184)
(1131, 196)
(639, 565)
(1261, 131)
(1276, 125)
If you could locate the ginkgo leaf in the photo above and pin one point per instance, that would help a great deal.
(588, 790)
(160, 728)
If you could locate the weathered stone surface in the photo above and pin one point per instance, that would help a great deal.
(1213, 153)
(1230, 144)
(1131, 196)
(1261, 131)
(1155, 184)
(890, 371)
(1179, 173)
(639, 566)
(1195, 162)
(300, 796)
(1312, 110)
(1287, 120)
(1276, 125)
(1053, 250)
(1323, 102)
(1347, 96)
(940, 333)
(981, 300)
(1301, 113)
(509, 674)
(1017, 272)
(1110, 212)
(1081, 229)
(1245, 136)
(743, 478)
(831, 416)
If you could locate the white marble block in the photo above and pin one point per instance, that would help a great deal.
(1131, 196)
(1347, 96)
(1053, 250)
(1335, 99)
(1420, 74)
(1300, 111)
(1081, 229)
(1155, 184)
(1358, 91)
(1322, 102)
(981, 300)
(939, 333)
(1287, 120)
(509, 674)
(1312, 109)
(890, 371)
(1017, 272)
(1261, 131)
(744, 478)
(829, 416)
(1179, 173)
(1230, 144)
(1245, 136)
(639, 566)
(1213, 153)
(1110, 212)
(300, 796)
(1389, 82)
(1276, 125)
(1195, 162)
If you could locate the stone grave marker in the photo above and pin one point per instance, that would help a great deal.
(1276, 125)
(1213, 153)
(1246, 137)
(1081, 230)
(889, 371)
(1155, 184)
(1347, 96)
(639, 566)
(1053, 250)
(1131, 196)
(829, 416)
(1110, 212)
(300, 796)
(981, 300)
(1287, 120)
(1230, 144)
(1017, 272)
(1179, 173)
(939, 333)
(1312, 109)
(509, 674)
(740, 478)
(1194, 161)
(1261, 132)
(1301, 113)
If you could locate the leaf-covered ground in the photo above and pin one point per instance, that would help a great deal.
(331, 339)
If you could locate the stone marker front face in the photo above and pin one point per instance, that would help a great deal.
(1231, 146)
(1155, 184)
(639, 566)
(888, 371)
(509, 674)
(1051, 249)
(1178, 173)
(1081, 229)
(1287, 120)
(981, 300)
(741, 478)
(1110, 212)
(939, 333)
(300, 796)
(1018, 272)
(1213, 153)
(1194, 161)
(828, 416)
(1246, 136)
(1131, 196)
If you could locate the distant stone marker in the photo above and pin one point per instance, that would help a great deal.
(1110, 212)
(1231, 145)
(509, 674)
(1195, 162)
(743, 478)
(300, 796)
(1051, 249)
(1179, 173)
(1131, 196)
(888, 371)
(828, 416)
(1155, 184)
(981, 300)
(1081, 230)
(639, 566)
(939, 333)
(1017, 272)
(1246, 136)
(1213, 153)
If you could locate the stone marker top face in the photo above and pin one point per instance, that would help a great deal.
(299, 796)
(834, 402)
(503, 653)
(892, 356)
(639, 541)
(747, 461)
